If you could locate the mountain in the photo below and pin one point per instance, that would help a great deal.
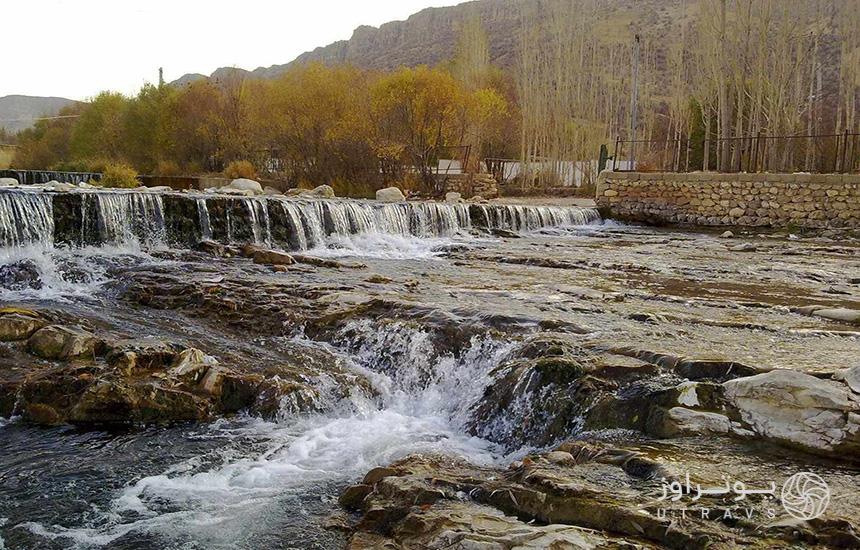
(18, 112)
(430, 36)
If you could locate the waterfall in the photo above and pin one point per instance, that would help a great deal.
(130, 217)
(134, 217)
(203, 219)
(530, 218)
(261, 225)
(26, 218)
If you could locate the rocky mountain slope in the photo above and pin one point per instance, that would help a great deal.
(430, 36)
(18, 111)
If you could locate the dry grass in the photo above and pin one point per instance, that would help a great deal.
(5, 158)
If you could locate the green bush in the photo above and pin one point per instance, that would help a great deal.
(240, 169)
(119, 175)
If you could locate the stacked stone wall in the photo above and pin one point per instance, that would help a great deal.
(715, 199)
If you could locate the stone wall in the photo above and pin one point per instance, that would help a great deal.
(471, 185)
(710, 198)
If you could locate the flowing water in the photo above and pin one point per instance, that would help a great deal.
(242, 482)
(461, 299)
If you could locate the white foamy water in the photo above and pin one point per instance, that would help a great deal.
(226, 499)
(62, 274)
(385, 246)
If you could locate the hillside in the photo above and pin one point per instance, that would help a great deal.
(429, 36)
(18, 111)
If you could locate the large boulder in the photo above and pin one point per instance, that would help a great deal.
(18, 324)
(244, 184)
(797, 409)
(390, 194)
(323, 192)
(62, 342)
(8, 182)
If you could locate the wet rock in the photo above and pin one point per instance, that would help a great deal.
(727, 235)
(379, 279)
(539, 394)
(326, 262)
(390, 194)
(745, 247)
(20, 276)
(190, 365)
(453, 197)
(140, 354)
(272, 257)
(799, 410)
(212, 247)
(124, 402)
(19, 324)
(62, 342)
(8, 182)
(561, 499)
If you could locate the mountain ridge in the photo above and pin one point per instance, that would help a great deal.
(17, 111)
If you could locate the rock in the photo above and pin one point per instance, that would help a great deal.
(8, 182)
(59, 187)
(326, 262)
(798, 410)
(20, 275)
(746, 247)
(243, 184)
(578, 496)
(737, 212)
(390, 194)
(851, 377)
(19, 325)
(727, 235)
(120, 402)
(158, 189)
(272, 257)
(190, 365)
(139, 354)
(379, 279)
(268, 190)
(839, 314)
(453, 197)
(322, 191)
(690, 422)
(61, 342)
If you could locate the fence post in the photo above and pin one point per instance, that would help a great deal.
(844, 150)
(615, 155)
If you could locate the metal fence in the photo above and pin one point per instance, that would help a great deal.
(823, 153)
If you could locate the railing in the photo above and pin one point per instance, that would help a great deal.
(823, 153)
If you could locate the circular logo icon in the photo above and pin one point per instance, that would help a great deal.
(805, 495)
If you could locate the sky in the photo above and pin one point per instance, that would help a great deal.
(77, 48)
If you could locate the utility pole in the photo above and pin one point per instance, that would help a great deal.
(634, 103)
(160, 77)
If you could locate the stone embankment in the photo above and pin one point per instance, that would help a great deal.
(715, 199)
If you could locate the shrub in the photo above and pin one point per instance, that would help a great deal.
(167, 168)
(119, 175)
(240, 169)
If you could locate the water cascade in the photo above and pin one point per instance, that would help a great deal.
(133, 217)
(530, 218)
(26, 218)
(129, 217)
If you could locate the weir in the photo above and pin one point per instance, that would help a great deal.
(32, 216)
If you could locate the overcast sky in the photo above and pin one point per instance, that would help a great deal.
(76, 48)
